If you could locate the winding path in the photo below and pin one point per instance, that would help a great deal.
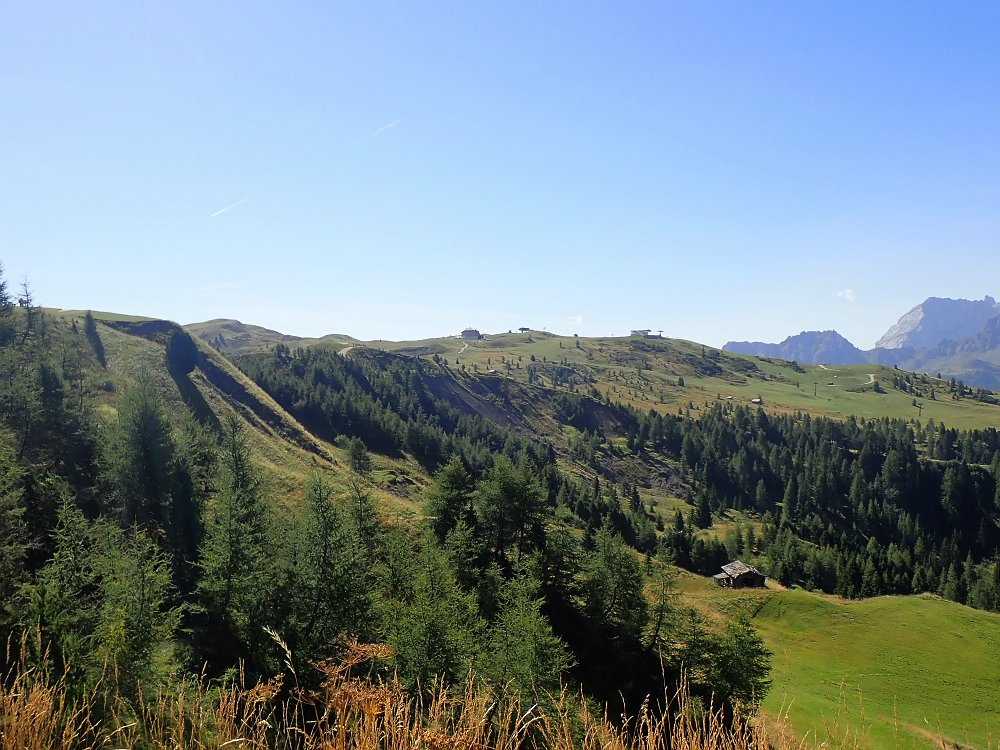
(345, 351)
(464, 347)
(871, 379)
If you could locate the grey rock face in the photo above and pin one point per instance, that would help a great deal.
(936, 320)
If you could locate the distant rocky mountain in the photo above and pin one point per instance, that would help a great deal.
(936, 319)
(808, 347)
(957, 338)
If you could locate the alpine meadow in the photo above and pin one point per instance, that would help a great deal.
(513, 376)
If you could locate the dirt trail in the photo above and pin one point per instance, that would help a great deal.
(823, 367)
(464, 347)
(345, 351)
(871, 379)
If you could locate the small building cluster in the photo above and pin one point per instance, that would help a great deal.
(739, 575)
(646, 333)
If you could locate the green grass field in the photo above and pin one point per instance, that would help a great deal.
(844, 390)
(98, 315)
(893, 672)
(907, 670)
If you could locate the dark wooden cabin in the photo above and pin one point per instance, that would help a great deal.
(739, 575)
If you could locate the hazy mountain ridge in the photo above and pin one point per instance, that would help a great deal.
(955, 337)
(810, 347)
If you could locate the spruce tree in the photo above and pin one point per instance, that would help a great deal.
(237, 555)
(449, 498)
(138, 455)
(329, 584)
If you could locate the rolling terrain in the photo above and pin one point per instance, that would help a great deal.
(670, 374)
(825, 649)
(233, 337)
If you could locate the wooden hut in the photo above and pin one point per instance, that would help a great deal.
(739, 575)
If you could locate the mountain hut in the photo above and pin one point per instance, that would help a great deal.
(739, 575)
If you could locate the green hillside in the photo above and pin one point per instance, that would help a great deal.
(231, 337)
(660, 374)
(919, 668)
(595, 486)
(646, 373)
(898, 671)
(214, 388)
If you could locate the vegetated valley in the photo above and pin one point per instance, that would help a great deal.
(490, 543)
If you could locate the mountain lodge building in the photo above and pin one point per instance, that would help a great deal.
(739, 575)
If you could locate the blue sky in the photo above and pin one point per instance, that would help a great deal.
(721, 170)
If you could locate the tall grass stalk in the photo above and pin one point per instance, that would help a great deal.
(360, 713)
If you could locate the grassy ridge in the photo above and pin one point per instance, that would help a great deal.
(645, 373)
(284, 449)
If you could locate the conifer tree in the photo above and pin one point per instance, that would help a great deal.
(329, 587)
(432, 625)
(138, 456)
(238, 554)
(449, 498)
(614, 586)
(94, 337)
(6, 312)
(523, 654)
(13, 535)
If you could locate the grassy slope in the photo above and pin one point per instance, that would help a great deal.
(645, 374)
(613, 362)
(283, 449)
(932, 664)
(98, 315)
(909, 670)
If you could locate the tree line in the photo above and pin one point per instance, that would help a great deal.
(858, 507)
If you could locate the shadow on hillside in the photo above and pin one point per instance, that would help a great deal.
(194, 400)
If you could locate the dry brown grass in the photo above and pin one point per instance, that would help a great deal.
(359, 713)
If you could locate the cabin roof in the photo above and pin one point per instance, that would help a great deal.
(738, 568)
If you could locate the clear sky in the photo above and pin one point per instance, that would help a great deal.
(719, 170)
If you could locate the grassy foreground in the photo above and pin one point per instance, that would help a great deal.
(36, 712)
(352, 713)
(838, 672)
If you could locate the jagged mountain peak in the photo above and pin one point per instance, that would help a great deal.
(938, 319)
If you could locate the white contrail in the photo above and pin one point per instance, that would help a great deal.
(382, 129)
(227, 208)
